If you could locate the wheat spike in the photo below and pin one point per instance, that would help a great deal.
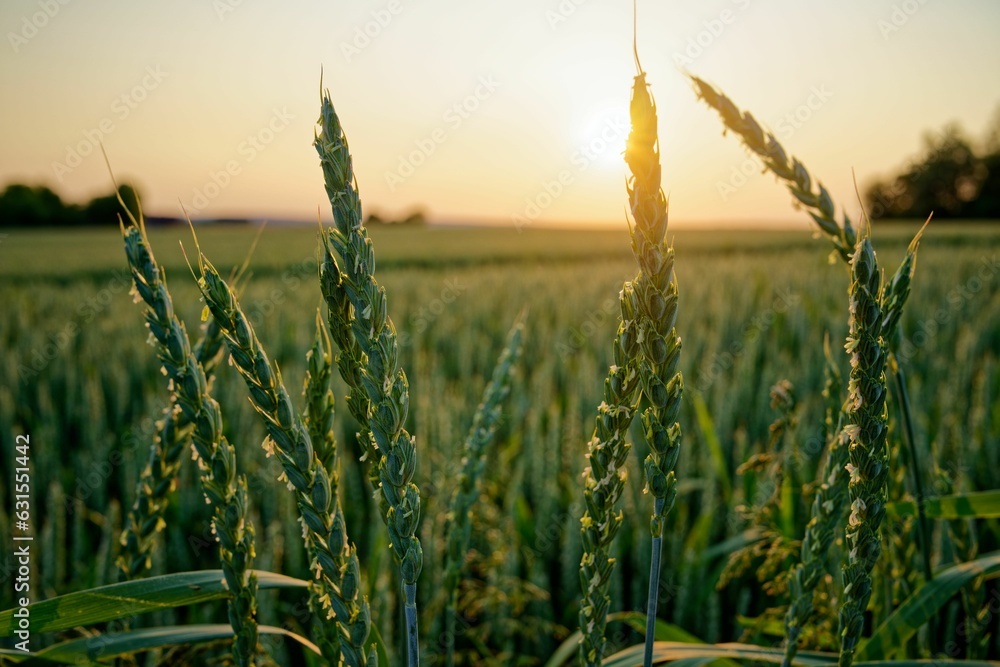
(868, 466)
(216, 456)
(369, 360)
(336, 593)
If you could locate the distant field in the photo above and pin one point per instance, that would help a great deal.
(754, 307)
(60, 253)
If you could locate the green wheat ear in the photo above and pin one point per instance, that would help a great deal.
(815, 198)
(646, 353)
(827, 510)
(173, 432)
(318, 419)
(485, 424)
(660, 346)
(369, 361)
(891, 300)
(811, 195)
(604, 480)
(158, 478)
(194, 405)
(336, 591)
(868, 466)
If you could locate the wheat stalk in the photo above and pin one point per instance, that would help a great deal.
(318, 414)
(826, 513)
(817, 201)
(349, 359)
(646, 352)
(485, 423)
(336, 592)
(897, 290)
(318, 419)
(159, 477)
(800, 183)
(370, 362)
(868, 465)
(216, 456)
(821, 209)
(656, 292)
(604, 478)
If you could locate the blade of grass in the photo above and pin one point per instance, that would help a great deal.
(974, 505)
(107, 603)
(663, 632)
(707, 427)
(675, 651)
(10, 656)
(108, 646)
(918, 486)
(669, 651)
(891, 636)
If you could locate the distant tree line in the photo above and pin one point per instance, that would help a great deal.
(949, 178)
(416, 217)
(38, 206)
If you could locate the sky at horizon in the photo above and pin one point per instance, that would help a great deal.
(502, 112)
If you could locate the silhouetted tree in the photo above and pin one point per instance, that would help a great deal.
(991, 140)
(987, 203)
(949, 179)
(415, 217)
(30, 206)
(38, 206)
(105, 210)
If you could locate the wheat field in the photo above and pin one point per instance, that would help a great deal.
(81, 378)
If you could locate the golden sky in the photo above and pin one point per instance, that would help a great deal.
(478, 111)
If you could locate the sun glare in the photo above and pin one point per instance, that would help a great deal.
(600, 141)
